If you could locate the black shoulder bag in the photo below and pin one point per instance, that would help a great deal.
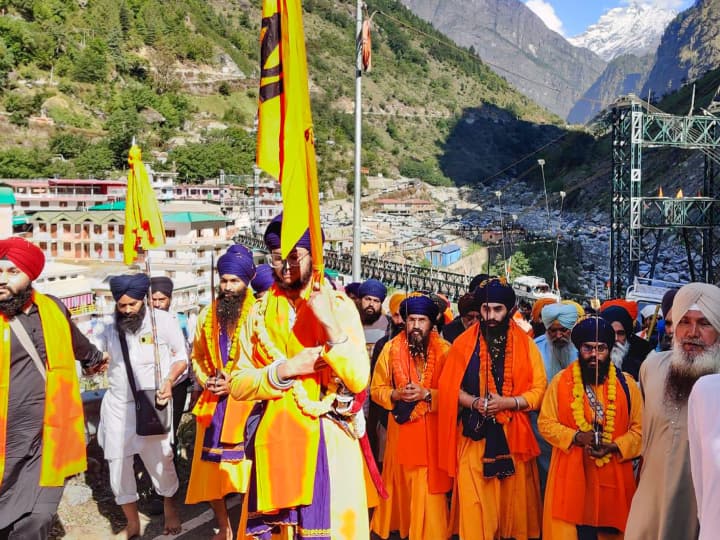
(149, 419)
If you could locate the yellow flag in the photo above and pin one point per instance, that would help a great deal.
(286, 142)
(143, 221)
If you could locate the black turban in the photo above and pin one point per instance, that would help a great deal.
(667, 302)
(618, 314)
(591, 330)
(477, 280)
(419, 305)
(496, 291)
(162, 284)
(133, 285)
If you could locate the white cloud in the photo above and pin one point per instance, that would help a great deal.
(547, 14)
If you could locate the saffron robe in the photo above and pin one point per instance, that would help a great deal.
(601, 494)
(211, 480)
(286, 441)
(664, 506)
(417, 505)
(488, 508)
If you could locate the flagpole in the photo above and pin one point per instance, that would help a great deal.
(357, 218)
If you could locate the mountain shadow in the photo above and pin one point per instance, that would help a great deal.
(487, 141)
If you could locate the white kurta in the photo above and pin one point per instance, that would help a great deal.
(116, 431)
(704, 437)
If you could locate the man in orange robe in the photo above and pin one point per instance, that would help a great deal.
(590, 483)
(219, 466)
(42, 436)
(495, 373)
(303, 357)
(405, 382)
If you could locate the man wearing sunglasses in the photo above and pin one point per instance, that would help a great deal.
(591, 415)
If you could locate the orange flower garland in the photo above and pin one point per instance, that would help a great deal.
(578, 407)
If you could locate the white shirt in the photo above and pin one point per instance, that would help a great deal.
(116, 432)
(704, 439)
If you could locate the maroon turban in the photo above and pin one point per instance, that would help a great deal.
(26, 256)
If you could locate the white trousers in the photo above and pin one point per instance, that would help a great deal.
(158, 461)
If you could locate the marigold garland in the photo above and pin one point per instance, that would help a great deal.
(402, 360)
(578, 408)
(503, 417)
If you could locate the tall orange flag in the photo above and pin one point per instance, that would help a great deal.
(286, 141)
(144, 225)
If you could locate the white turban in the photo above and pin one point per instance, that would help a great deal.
(565, 314)
(701, 296)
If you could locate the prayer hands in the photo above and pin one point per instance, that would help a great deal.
(305, 362)
(219, 385)
(411, 392)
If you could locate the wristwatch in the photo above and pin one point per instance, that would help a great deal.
(428, 397)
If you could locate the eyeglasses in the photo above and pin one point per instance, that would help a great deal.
(293, 259)
(600, 347)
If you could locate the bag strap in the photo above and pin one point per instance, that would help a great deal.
(126, 359)
(28, 345)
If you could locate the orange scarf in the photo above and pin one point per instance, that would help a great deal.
(518, 431)
(206, 360)
(418, 442)
(63, 439)
(584, 493)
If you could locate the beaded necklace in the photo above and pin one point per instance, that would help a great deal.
(578, 407)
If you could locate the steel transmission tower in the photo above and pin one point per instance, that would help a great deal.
(639, 223)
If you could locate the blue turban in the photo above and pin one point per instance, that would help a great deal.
(565, 314)
(496, 291)
(419, 305)
(372, 287)
(274, 229)
(618, 314)
(237, 261)
(264, 278)
(353, 288)
(591, 330)
(133, 285)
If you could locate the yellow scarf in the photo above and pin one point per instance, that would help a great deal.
(63, 440)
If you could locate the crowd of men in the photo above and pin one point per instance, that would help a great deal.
(351, 414)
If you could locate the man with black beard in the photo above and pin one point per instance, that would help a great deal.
(219, 467)
(117, 431)
(592, 416)
(664, 506)
(494, 373)
(38, 382)
(405, 382)
(372, 294)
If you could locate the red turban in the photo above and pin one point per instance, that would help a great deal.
(26, 256)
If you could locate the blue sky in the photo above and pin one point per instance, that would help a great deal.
(572, 17)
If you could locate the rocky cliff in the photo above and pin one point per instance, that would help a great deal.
(689, 48)
(516, 44)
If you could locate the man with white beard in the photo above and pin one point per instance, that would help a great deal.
(629, 351)
(558, 352)
(664, 505)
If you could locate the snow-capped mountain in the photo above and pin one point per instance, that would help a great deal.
(634, 29)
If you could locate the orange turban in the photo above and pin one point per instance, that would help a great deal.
(628, 305)
(26, 256)
(537, 308)
(394, 302)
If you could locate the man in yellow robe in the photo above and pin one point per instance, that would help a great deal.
(405, 382)
(495, 373)
(591, 415)
(303, 357)
(219, 466)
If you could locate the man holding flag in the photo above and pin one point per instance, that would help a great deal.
(302, 356)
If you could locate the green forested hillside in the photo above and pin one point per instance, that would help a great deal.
(176, 73)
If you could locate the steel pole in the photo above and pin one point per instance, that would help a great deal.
(357, 218)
